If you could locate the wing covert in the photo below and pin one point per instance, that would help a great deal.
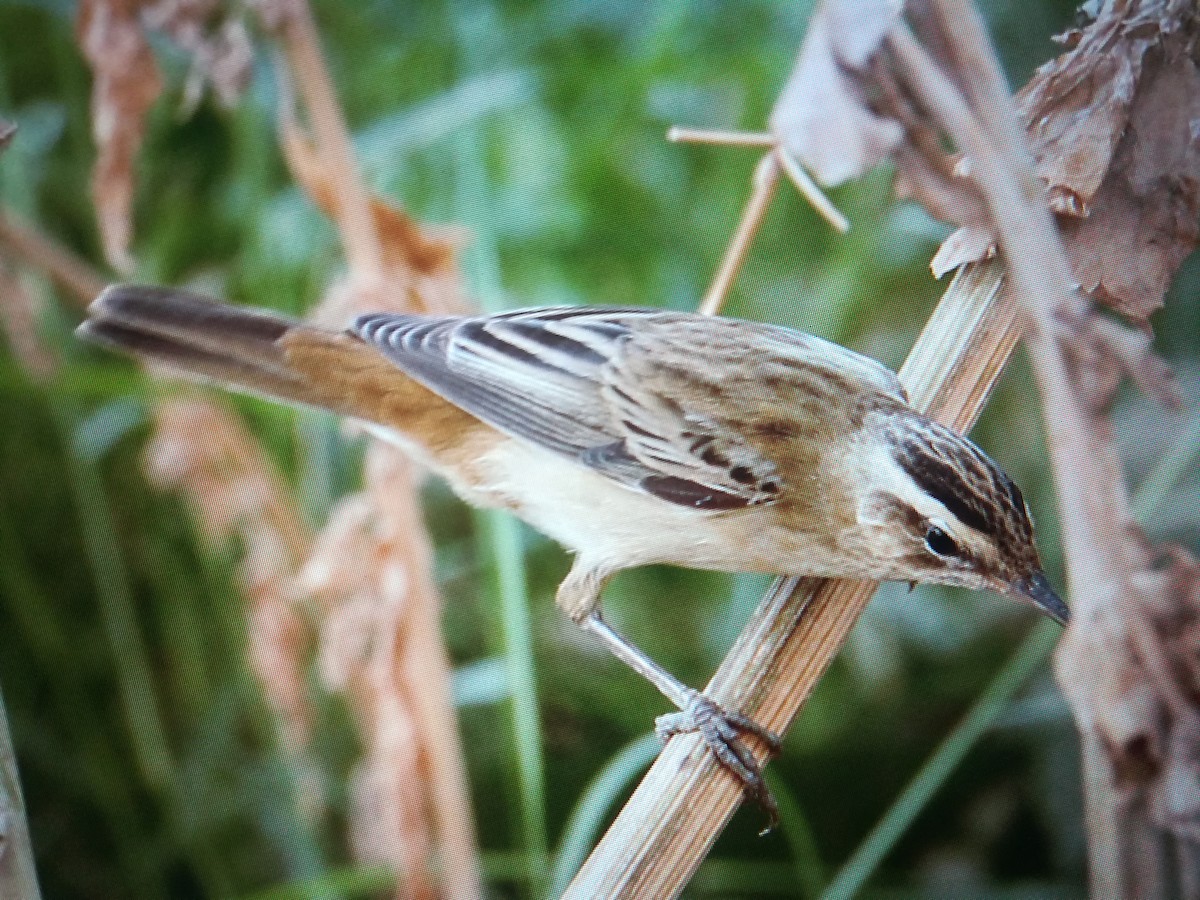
(532, 374)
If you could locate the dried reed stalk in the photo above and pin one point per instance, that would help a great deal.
(18, 321)
(73, 275)
(302, 43)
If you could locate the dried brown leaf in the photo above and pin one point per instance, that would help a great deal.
(1132, 678)
(1112, 126)
(925, 172)
(1076, 106)
(822, 116)
(200, 449)
(1143, 220)
(388, 824)
(842, 112)
(1175, 799)
(126, 82)
(1111, 123)
(971, 243)
(275, 14)
(1101, 353)
(278, 643)
(365, 569)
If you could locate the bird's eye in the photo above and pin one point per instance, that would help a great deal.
(940, 542)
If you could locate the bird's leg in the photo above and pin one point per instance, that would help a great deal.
(579, 597)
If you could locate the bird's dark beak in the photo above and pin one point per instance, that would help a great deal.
(1036, 589)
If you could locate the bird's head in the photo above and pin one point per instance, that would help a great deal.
(940, 510)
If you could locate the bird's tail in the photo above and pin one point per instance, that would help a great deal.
(209, 341)
(270, 355)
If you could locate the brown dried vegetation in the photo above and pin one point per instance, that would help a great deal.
(126, 82)
(375, 622)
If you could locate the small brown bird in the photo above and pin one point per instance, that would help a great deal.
(637, 436)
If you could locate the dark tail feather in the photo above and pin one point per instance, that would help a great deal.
(200, 339)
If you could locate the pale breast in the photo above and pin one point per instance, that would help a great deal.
(615, 527)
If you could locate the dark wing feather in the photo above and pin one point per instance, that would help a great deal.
(532, 376)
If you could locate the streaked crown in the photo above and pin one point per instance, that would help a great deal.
(962, 520)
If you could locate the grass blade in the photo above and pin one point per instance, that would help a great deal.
(347, 883)
(147, 732)
(502, 536)
(1032, 652)
(810, 871)
(591, 811)
(1162, 479)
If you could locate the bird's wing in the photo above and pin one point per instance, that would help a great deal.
(616, 390)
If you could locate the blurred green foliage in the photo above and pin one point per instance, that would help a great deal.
(151, 766)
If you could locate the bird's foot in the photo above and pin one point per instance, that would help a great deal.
(722, 731)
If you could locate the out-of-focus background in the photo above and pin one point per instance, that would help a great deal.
(152, 762)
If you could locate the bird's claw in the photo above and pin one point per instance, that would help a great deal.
(722, 731)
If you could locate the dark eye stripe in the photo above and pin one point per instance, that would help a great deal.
(1014, 492)
(944, 483)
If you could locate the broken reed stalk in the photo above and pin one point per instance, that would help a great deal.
(667, 827)
(18, 878)
(765, 182)
(766, 177)
(809, 190)
(677, 135)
